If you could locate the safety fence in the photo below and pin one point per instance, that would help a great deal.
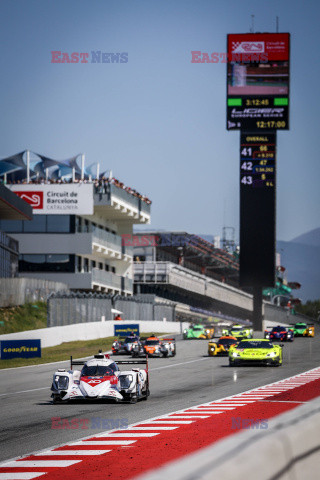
(70, 308)
(280, 315)
(18, 291)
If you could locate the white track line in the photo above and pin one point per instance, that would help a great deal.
(125, 435)
(164, 421)
(189, 416)
(21, 475)
(24, 391)
(213, 408)
(152, 428)
(39, 463)
(101, 443)
(62, 453)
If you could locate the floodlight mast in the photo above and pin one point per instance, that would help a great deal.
(252, 24)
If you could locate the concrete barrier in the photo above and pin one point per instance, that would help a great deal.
(289, 449)
(89, 331)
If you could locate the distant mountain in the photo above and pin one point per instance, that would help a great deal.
(310, 238)
(301, 258)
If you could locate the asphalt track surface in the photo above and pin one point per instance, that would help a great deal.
(188, 379)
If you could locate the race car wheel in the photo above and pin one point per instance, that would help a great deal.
(56, 399)
(146, 395)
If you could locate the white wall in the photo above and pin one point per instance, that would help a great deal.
(89, 331)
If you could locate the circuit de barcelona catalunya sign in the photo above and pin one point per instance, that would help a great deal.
(20, 348)
(65, 198)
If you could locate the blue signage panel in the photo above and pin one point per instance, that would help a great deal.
(124, 329)
(20, 348)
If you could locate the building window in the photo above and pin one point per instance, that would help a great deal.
(79, 264)
(47, 263)
(86, 265)
(106, 267)
(58, 223)
(12, 226)
(36, 225)
(113, 269)
(39, 224)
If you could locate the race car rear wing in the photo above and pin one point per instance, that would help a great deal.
(168, 339)
(132, 362)
(136, 362)
(281, 326)
(308, 324)
(120, 362)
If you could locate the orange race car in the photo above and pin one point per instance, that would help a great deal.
(154, 347)
(221, 347)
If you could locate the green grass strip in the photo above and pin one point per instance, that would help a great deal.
(79, 349)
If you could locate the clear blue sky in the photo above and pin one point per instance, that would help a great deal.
(158, 121)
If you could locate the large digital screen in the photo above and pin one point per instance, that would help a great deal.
(257, 209)
(258, 81)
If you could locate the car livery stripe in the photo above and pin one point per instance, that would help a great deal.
(157, 446)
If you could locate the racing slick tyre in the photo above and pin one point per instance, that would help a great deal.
(146, 395)
(56, 399)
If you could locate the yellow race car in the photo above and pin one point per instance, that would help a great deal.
(221, 347)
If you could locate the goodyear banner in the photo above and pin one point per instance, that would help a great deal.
(20, 348)
(124, 329)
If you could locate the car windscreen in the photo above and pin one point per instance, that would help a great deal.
(197, 328)
(130, 339)
(151, 342)
(227, 341)
(99, 370)
(278, 329)
(301, 325)
(236, 329)
(256, 344)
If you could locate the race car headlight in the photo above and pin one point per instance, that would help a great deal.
(125, 381)
(62, 382)
(310, 331)
(236, 354)
(272, 354)
(208, 331)
(212, 349)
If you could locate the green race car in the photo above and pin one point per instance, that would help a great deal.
(257, 351)
(238, 331)
(198, 331)
(302, 329)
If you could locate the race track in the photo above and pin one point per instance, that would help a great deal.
(188, 379)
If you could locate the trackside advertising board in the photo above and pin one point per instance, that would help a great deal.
(124, 329)
(258, 81)
(20, 349)
(63, 199)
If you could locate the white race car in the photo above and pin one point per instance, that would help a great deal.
(101, 379)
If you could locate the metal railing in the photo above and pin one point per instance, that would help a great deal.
(106, 278)
(103, 196)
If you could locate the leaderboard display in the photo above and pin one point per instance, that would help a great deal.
(258, 81)
(257, 209)
(257, 160)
